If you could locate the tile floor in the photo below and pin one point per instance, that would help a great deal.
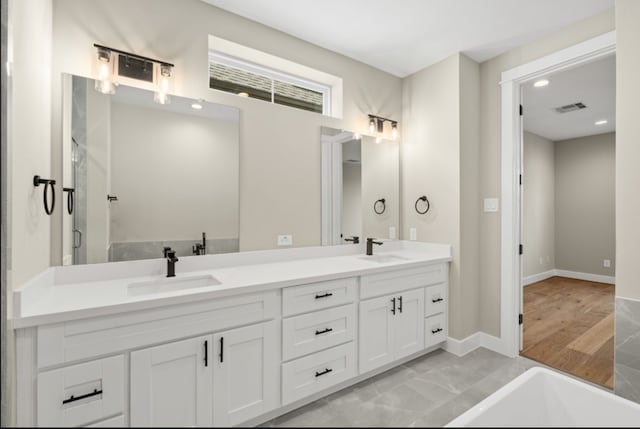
(428, 391)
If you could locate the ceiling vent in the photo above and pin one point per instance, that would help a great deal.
(570, 107)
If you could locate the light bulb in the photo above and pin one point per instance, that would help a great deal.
(372, 125)
(378, 140)
(394, 130)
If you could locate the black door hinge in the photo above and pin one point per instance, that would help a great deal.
(521, 110)
(521, 249)
(520, 319)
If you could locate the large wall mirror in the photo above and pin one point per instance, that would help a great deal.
(360, 187)
(144, 176)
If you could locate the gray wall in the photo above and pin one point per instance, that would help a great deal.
(585, 204)
(538, 220)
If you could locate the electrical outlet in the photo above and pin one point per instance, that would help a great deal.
(541, 260)
(491, 205)
(607, 263)
(392, 232)
(548, 258)
(285, 240)
(413, 234)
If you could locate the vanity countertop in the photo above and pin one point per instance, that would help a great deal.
(75, 292)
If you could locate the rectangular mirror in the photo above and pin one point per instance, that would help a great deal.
(360, 187)
(139, 176)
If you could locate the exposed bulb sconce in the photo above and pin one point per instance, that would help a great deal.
(376, 124)
(112, 64)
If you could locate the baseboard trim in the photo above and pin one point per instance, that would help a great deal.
(473, 341)
(538, 277)
(586, 276)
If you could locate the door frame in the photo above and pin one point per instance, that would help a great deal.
(511, 168)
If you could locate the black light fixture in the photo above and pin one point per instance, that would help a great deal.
(376, 124)
(112, 63)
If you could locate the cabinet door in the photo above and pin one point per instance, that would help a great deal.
(376, 333)
(409, 323)
(171, 385)
(245, 374)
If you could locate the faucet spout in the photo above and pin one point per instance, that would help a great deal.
(170, 255)
(370, 243)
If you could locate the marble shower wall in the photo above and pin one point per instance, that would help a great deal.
(627, 349)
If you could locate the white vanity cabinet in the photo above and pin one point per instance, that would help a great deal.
(172, 384)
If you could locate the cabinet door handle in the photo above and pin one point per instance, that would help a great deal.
(221, 349)
(324, 295)
(435, 331)
(206, 353)
(324, 331)
(393, 306)
(437, 300)
(400, 304)
(326, 371)
(77, 398)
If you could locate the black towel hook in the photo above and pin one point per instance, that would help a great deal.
(422, 198)
(37, 181)
(70, 199)
(375, 206)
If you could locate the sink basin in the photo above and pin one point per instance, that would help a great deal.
(383, 258)
(169, 284)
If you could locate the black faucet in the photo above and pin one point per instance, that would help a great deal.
(200, 248)
(354, 238)
(370, 243)
(170, 255)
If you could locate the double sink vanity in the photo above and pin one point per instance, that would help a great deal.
(231, 339)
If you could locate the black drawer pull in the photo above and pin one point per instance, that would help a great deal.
(77, 398)
(206, 353)
(221, 349)
(326, 371)
(324, 331)
(324, 295)
(435, 331)
(393, 306)
(400, 304)
(437, 300)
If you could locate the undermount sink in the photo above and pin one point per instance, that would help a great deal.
(170, 284)
(383, 258)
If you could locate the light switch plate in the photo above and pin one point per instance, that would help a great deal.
(285, 240)
(392, 232)
(491, 205)
(607, 263)
(413, 234)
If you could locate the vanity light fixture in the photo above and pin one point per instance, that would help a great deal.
(540, 83)
(113, 63)
(376, 124)
(601, 122)
(378, 140)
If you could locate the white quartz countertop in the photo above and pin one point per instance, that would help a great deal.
(76, 292)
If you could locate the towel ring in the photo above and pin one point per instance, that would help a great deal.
(422, 198)
(37, 181)
(375, 206)
(70, 200)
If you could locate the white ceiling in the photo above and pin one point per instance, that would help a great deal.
(593, 84)
(404, 36)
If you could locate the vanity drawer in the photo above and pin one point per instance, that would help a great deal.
(435, 330)
(435, 299)
(308, 375)
(113, 422)
(81, 394)
(319, 330)
(394, 281)
(316, 296)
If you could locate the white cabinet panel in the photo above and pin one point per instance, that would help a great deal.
(80, 394)
(435, 299)
(376, 333)
(316, 296)
(245, 374)
(308, 375)
(409, 323)
(113, 422)
(435, 330)
(319, 330)
(171, 384)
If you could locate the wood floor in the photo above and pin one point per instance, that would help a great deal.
(568, 325)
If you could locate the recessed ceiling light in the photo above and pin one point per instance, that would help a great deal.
(196, 106)
(601, 122)
(540, 83)
(243, 94)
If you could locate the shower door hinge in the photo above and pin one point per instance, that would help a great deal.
(521, 249)
(521, 110)
(520, 319)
